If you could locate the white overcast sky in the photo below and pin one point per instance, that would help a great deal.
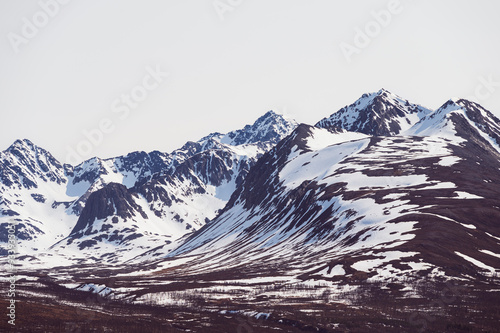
(283, 55)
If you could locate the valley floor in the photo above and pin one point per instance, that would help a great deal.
(43, 305)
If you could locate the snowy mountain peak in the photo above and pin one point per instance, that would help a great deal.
(454, 104)
(268, 114)
(25, 164)
(382, 90)
(275, 117)
(472, 110)
(381, 113)
(22, 144)
(25, 149)
(460, 120)
(269, 128)
(461, 104)
(386, 94)
(382, 94)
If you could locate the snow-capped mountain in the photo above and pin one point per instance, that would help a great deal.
(460, 120)
(381, 113)
(323, 205)
(23, 163)
(114, 227)
(45, 197)
(32, 192)
(184, 197)
(383, 217)
(268, 129)
(95, 173)
(316, 192)
(174, 193)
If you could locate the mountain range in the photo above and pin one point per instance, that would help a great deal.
(130, 203)
(381, 201)
(369, 173)
(382, 191)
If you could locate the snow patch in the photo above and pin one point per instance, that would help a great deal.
(475, 262)
(335, 271)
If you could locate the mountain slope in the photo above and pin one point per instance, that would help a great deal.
(114, 227)
(377, 207)
(194, 184)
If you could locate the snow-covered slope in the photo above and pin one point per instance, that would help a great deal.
(381, 113)
(45, 197)
(114, 227)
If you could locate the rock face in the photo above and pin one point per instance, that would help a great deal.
(112, 200)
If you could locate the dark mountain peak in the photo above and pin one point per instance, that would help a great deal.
(91, 162)
(23, 163)
(214, 135)
(142, 164)
(475, 110)
(453, 104)
(269, 128)
(135, 155)
(269, 116)
(26, 149)
(382, 93)
(388, 97)
(22, 144)
(381, 114)
(112, 200)
(89, 170)
(261, 181)
(299, 135)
